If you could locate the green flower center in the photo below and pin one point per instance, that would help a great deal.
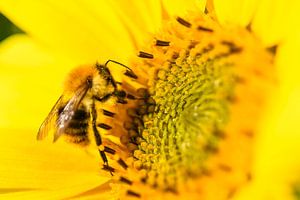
(178, 126)
(190, 111)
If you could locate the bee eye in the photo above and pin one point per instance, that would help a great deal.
(106, 73)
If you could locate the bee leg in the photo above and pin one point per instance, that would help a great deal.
(98, 139)
(142, 94)
(122, 95)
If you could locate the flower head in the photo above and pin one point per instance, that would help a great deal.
(205, 117)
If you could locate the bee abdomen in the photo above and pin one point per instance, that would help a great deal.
(78, 132)
(74, 124)
(79, 123)
(81, 115)
(77, 129)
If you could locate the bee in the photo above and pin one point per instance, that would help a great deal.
(75, 110)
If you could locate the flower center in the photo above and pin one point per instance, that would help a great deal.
(202, 90)
(192, 100)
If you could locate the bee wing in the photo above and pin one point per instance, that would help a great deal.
(49, 122)
(68, 112)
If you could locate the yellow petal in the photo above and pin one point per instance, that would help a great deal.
(103, 191)
(278, 150)
(140, 17)
(42, 169)
(238, 12)
(50, 195)
(65, 193)
(181, 8)
(30, 82)
(84, 31)
(277, 163)
(274, 18)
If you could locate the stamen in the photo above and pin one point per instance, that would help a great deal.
(170, 189)
(125, 180)
(225, 167)
(273, 49)
(108, 113)
(192, 45)
(201, 28)
(231, 193)
(208, 48)
(228, 43)
(184, 22)
(108, 168)
(130, 74)
(144, 180)
(132, 193)
(109, 150)
(145, 55)
(232, 47)
(104, 126)
(122, 163)
(162, 43)
(175, 55)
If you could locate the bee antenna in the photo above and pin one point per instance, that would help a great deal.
(128, 72)
(116, 62)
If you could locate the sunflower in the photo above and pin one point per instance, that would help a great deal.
(212, 115)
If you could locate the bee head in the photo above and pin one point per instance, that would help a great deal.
(103, 82)
(97, 78)
(105, 73)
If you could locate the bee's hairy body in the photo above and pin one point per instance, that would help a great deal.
(77, 131)
(75, 113)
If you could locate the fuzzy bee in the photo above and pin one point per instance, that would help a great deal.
(75, 110)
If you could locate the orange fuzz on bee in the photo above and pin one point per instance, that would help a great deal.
(75, 112)
(78, 77)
